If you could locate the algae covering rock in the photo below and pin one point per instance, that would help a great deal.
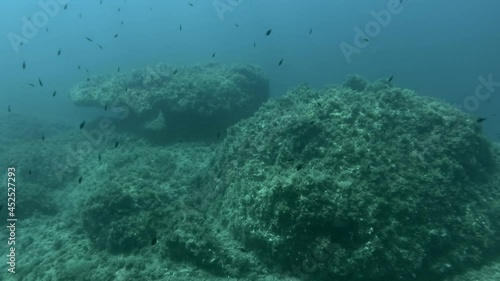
(164, 100)
(370, 183)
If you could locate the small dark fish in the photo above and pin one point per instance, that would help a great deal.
(88, 39)
(59, 52)
(480, 120)
(80, 15)
(99, 46)
(54, 93)
(82, 125)
(366, 39)
(66, 6)
(311, 30)
(299, 167)
(105, 107)
(180, 27)
(79, 67)
(268, 32)
(154, 239)
(279, 63)
(46, 29)
(86, 70)
(390, 79)
(119, 9)
(31, 84)
(218, 134)
(400, 1)
(101, 2)
(29, 172)
(254, 44)
(236, 25)
(213, 55)
(8, 108)
(40, 82)
(1, 207)
(43, 137)
(116, 144)
(88, 79)
(121, 22)
(191, 4)
(118, 70)
(24, 64)
(116, 35)
(80, 179)
(175, 72)
(99, 157)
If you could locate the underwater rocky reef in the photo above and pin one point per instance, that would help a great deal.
(363, 181)
(359, 181)
(163, 102)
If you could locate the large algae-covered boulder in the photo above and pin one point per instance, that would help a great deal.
(363, 182)
(165, 100)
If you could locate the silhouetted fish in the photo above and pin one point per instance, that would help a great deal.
(191, 4)
(116, 144)
(66, 6)
(390, 78)
(236, 25)
(279, 63)
(180, 27)
(99, 46)
(29, 172)
(54, 94)
(31, 84)
(116, 35)
(268, 32)
(105, 107)
(311, 30)
(59, 52)
(480, 120)
(254, 44)
(8, 108)
(40, 82)
(99, 157)
(213, 55)
(82, 125)
(80, 179)
(175, 72)
(43, 137)
(24, 64)
(118, 70)
(88, 39)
